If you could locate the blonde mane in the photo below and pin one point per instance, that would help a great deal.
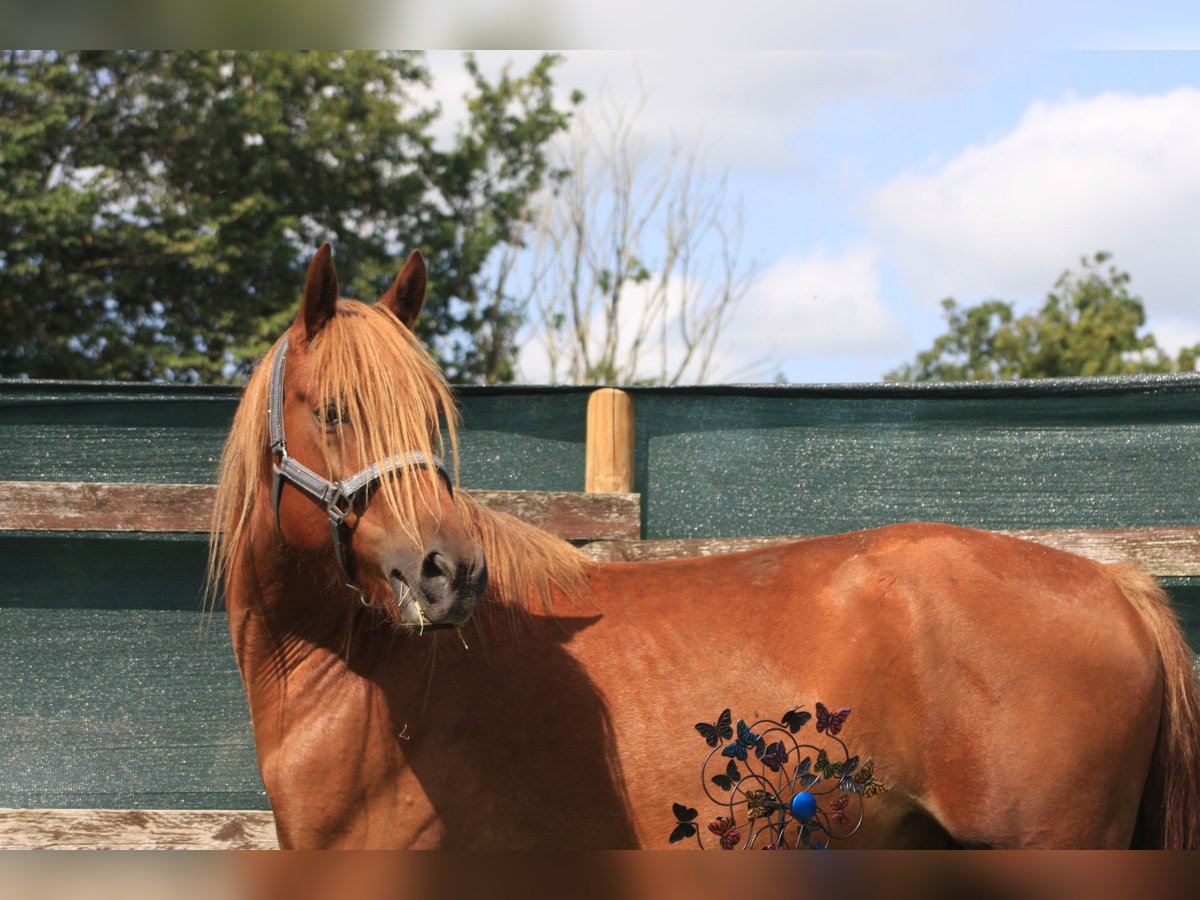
(375, 374)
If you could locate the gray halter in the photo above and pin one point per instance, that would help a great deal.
(336, 497)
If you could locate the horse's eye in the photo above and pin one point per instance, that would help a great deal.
(332, 416)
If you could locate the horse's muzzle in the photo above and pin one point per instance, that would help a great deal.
(444, 589)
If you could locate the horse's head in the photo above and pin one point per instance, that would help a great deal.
(356, 409)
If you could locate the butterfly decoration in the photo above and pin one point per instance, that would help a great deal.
(756, 804)
(807, 830)
(864, 780)
(831, 722)
(758, 809)
(685, 825)
(838, 805)
(746, 740)
(724, 828)
(845, 776)
(714, 735)
(795, 719)
(731, 777)
(775, 756)
(804, 774)
(825, 767)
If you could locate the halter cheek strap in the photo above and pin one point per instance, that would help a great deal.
(337, 498)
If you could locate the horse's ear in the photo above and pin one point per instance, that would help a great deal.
(320, 293)
(406, 296)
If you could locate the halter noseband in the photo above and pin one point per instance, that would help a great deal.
(336, 497)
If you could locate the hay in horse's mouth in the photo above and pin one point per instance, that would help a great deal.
(405, 594)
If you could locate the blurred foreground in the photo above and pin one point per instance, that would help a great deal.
(629, 876)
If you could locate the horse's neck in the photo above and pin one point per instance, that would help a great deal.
(279, 615)
(305, 657)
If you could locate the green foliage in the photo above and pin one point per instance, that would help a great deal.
(1088, 325)
(487, 180)
(158, 209)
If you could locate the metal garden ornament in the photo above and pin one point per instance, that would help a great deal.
(776, 792)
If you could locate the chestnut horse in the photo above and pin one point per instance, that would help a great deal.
(424, 672)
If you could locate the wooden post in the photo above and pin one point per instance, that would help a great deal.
(609, 442)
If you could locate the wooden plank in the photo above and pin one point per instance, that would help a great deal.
(136, 829)
(644, 551)
(570, 515)
(91, 506)
(609, 461)
(1164, 551)
(613, 519)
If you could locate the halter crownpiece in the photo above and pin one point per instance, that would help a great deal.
(336, 497)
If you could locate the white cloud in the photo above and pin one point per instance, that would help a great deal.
(817, 306)
(746, 108)
(801, 314)
(533, 360)
(663, 351)
(714, 26)
(1174, 334)
(802, 24)
(1114, 172)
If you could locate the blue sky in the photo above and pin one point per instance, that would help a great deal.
(877, 182)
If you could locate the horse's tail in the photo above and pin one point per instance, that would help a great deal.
(1169, 817)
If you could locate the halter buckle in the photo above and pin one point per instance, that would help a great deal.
(340, 505)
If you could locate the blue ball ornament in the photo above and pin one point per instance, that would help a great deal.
(804, 806)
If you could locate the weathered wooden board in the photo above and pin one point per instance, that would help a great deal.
(573, 516)
(136, 829)
(92, 506)
(610, 520)
(1165, 552)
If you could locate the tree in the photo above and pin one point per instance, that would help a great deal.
(157, 208)
(631, 266)
(1088, 325)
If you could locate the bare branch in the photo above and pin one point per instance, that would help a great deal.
(635, 266)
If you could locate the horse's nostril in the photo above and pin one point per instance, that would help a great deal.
(435, 565)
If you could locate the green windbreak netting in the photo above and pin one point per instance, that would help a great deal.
(122, 708)
(137, 433)
(119, 690)
(758, 461)
(523, 439)
(511, 438)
